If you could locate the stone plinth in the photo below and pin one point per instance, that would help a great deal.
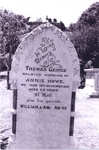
(93, 73)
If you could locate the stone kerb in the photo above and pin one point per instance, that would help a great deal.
(30, 37)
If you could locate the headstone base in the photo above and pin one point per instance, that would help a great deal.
(12, 144)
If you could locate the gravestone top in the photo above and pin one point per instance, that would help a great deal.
(31, 36)
(45, 71)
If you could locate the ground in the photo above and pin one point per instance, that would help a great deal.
(86, 127)
(87, 118)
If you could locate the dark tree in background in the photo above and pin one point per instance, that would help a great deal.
(85, 37)
(11, 27)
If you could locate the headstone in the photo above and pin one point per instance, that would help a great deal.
(45, 71)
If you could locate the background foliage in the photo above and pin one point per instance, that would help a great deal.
(85, 36)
